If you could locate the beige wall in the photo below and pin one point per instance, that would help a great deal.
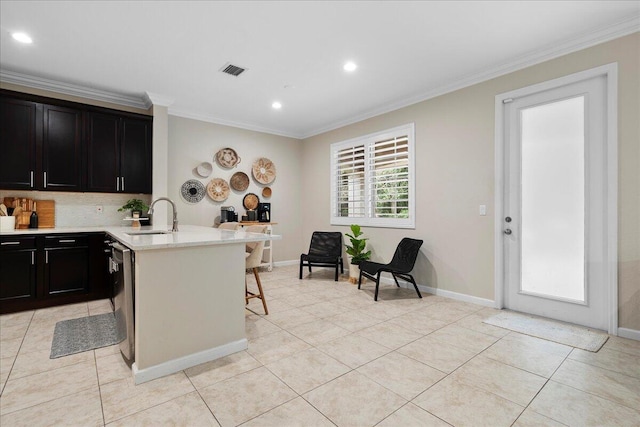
(455, 174)
(192, 142)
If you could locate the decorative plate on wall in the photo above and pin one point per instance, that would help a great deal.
(227, 158)
(218, 189)
(204, 169)
(264, 171)
(239, 181)
(250, 201)
(192, 191)
(266, 192)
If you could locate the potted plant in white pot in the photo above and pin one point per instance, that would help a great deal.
(356, 252)
(138, 209)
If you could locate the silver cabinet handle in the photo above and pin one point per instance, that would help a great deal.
(67, 241)
(9, 243)
(33, 258)
(46, 257)
(31, 179)
(117, 183)
(122, 178)
(45, 180)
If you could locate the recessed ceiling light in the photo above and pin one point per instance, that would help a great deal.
(350, 66)
(276, 105)
(22, 38)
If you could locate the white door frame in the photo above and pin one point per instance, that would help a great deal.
(610, 71)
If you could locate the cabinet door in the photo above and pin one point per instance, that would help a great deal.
(17, 143)
(61, 149)
(66, 270)
(17, 275)
(135, 156)
(103, 153)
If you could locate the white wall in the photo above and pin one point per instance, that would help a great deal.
(192, 142)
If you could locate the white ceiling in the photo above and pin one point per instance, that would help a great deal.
(405, 51)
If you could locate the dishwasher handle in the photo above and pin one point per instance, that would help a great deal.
(114, 267)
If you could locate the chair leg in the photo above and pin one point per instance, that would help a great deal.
(341, 266)
(415, 286)
(360, 279)
(375, 297)
(336, 278)
(260, 292)
(301, 265)
(394, 278)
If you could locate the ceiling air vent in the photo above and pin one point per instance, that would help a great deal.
(233, 70)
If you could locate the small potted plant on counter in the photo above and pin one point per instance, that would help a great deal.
(356, 251)
(137, 207)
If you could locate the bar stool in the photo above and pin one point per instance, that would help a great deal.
(229, 226)
(253, 258)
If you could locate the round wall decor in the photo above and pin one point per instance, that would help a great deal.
(192, 191)
(204, 169)
(266, 192)
(239, 181)
(264, 171)
(218, 189)
(250, 201)
(227, 158)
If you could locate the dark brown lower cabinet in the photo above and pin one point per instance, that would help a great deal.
(66, 264)
(52, 269)
(17, 269)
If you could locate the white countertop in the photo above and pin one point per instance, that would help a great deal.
(189, 235)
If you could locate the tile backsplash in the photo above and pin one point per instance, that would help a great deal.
(80, 209)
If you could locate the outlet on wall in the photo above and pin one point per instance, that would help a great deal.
(99, 209)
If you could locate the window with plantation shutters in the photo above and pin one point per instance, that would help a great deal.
(372, 179)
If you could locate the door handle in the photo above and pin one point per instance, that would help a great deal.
(122, 178)
(45, 180)
(117, 183)
(508, 231)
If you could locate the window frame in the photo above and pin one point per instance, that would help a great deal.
(369, 220)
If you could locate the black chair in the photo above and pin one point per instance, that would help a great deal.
(325, 250)
(400, 266)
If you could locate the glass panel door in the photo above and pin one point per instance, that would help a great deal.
(553, 199)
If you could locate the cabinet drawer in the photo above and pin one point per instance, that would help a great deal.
(63, 241)
(18, 242)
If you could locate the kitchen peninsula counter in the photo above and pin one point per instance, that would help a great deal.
(188, 293)
(189, 296)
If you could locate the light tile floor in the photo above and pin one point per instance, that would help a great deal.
(328, 355)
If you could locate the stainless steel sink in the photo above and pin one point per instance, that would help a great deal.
(147, 232)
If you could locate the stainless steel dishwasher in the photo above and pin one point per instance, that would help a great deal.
(121, 267)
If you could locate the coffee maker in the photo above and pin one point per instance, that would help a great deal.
(228, 214)
(264, 212)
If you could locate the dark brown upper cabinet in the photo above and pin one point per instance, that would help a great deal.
(18, 131)
(48, 144)
(118, 154)
(61, 149)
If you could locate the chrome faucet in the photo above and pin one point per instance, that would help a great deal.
(175, 212)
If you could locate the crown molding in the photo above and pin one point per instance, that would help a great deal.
(575, 44)
(72, 89)
(224, 122)
(157, 99)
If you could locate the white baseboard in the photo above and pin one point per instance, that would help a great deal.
(443, 293)
(632, 334)
(176, 365)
